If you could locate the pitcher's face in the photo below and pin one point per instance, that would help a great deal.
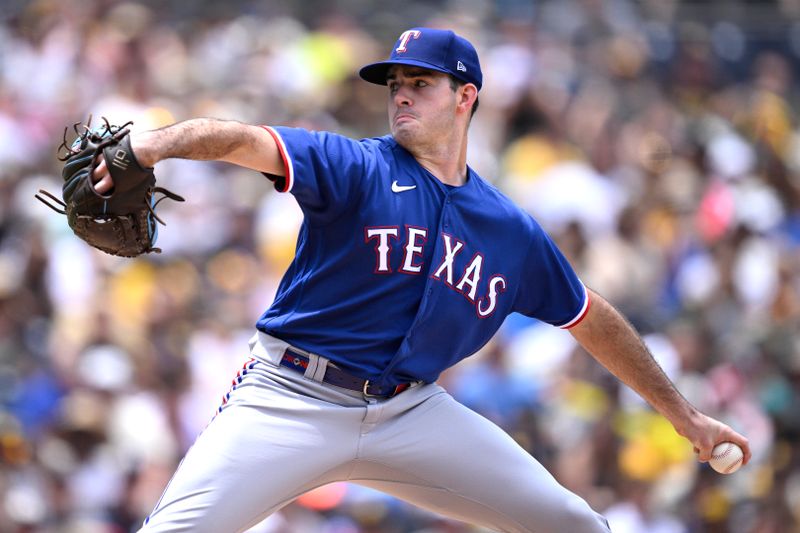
(422, 105)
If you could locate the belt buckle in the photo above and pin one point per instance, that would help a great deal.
(364, 392)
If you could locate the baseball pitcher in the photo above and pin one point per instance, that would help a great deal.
(407, 261)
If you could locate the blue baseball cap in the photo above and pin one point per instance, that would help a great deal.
(440, 50)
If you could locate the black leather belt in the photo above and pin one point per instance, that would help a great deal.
(338, 377)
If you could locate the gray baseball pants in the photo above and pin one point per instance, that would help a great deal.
(282, 433)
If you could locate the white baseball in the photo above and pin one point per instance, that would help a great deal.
(726, 458)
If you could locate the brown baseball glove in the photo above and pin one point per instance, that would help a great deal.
(124, 221)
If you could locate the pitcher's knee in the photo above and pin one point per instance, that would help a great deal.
(576, 516)
(191, 517)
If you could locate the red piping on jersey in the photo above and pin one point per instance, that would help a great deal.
(287, 165)
(577, 320)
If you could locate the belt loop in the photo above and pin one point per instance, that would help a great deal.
(313, 361)
(312, 366)
(318, 373)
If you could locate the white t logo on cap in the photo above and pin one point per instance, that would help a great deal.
(405, 37)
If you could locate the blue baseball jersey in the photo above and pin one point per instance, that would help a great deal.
(398, 276)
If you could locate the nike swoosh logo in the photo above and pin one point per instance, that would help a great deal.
(401, 188)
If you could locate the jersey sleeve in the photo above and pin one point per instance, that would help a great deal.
(552, 292)
(323, 170)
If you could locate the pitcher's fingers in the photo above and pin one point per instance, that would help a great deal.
(100, 170)
(743, 443)
(104, 185)
(704, 453)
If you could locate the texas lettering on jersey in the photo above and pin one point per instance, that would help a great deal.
(414, 242)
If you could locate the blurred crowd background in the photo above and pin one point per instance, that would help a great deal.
(657, 141)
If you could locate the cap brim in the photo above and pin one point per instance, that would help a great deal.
(376, 72)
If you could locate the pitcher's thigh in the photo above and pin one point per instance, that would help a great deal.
(245, 465)
(451, 460)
